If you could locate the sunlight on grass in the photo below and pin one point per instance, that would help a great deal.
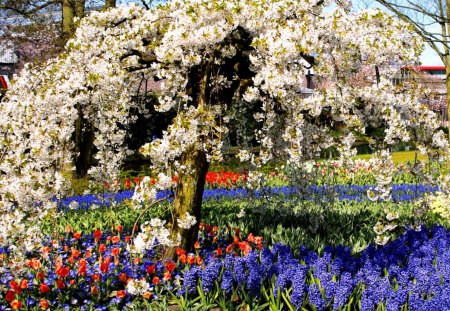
(397, 157)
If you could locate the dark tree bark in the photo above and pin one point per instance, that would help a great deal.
(84, 144)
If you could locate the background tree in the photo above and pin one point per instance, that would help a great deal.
(53, 19)
(208, 54)
(431, 21)
(39, 31)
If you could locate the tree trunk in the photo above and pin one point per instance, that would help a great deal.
(70, 10)
(79, 8)
(191, 180)
(447, 84)
(188, 198)
(68, 14)
(109, 4)
(84, 144)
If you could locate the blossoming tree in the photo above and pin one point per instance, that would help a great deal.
(209, 54)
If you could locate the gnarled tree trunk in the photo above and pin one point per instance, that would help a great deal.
(188, 198)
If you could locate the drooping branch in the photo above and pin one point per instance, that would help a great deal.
(310, 59)
(143, 59)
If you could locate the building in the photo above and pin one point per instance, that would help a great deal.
(434, 78)
(9, 59)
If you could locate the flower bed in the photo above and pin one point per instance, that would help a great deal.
(98, 272)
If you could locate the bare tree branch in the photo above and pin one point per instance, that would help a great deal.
(24, 9)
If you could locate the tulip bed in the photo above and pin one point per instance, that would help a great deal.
(278, 248)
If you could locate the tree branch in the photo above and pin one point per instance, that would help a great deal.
(23, 11)
(429, 37)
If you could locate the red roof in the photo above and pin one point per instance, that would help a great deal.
(429, 68)
(3, 84)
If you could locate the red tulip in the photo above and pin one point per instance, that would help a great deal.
(167, 275)
(199, 260)
(10, 295)
(155, 280)
(123, 277)
(170, 266)
(60, 284)
(44, 288)
(16, 304)
(191, 259)
(102, 248)
(219, 251)
(115, 251)
(150, 269)
(15, 287)
(94, 290)
(24, 284)
(121, 294)
(63, 271)
(97, 234)
(180, 251)
(43, 303)
(40, 275)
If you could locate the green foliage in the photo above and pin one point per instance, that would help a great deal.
(313, 224)
(102, 218)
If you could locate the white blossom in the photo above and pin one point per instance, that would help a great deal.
(187, 222)
(137, 287)
(100, 70)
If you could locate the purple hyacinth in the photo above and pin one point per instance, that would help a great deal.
(227, 281)
(315, 297)
(210, 274)
(190, 279)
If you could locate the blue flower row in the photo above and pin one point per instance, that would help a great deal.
(400, 193)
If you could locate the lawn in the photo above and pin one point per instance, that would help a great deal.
(397, 157)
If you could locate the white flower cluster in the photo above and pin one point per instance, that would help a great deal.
(383, 174)
(144, 193)
(137, 287)
(187, 222)
(153, 233)
(385, 227)
(437, 203)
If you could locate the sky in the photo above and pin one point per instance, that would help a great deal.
(429, 57)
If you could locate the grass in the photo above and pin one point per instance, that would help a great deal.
(397, 157)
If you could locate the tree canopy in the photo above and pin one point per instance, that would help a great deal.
(208, 54)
